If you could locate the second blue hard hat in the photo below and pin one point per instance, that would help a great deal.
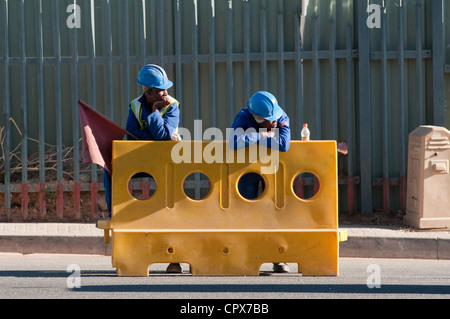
(154, 76)
(265, 105)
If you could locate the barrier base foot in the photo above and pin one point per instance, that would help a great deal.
(227, 252)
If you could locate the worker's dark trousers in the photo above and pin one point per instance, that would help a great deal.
(107, 183)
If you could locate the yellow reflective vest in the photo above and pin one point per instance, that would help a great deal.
(136, 107)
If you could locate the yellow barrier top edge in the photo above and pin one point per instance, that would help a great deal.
(226, 230)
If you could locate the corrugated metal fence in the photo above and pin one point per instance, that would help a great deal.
(368, 85)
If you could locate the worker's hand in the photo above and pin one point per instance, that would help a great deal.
(158, 105)
(176, 137)
(267, 133)
(342, 148)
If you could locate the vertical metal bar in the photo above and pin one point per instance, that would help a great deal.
(110, 62)
(350, 119)
(315, 52)
(365, 136)
(212, 63)
(58, 103)
(24, 107)
(110, 94)
(281, 75)
(161, 42)
(403, 133)
(92, 44)
(126, 41)
(333, 89)
(178, 54)
(350, 112)
(385, 120)
(195, 60)
(94, 186)
(41, 119)
(298, 77)
(438, 63)
(143, 31)
(92, 53)
(76, 133)
(230, 87)
(419, 62)
(7, 147)
(247, 88)
(264, 45)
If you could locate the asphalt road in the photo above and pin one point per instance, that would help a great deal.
(92, 277)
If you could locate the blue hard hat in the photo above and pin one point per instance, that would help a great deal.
(154, 76)
(265, 105)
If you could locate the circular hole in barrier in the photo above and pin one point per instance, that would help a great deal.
(170, 250)
(142, 186)
(251, 186)
(306, 185)
(281, 250)
(197, 186)
(225, 250)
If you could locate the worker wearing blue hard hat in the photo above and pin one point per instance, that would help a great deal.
(264, 105)
(153, 116)
(262, 115)
(154, 76)
(143, 121)
(265, 123)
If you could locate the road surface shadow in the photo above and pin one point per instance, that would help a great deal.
(271, 288)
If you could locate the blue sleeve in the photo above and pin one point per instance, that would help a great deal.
(134, 128)
(239, 138)
(280, 142)
(284, 138)
(163, 127)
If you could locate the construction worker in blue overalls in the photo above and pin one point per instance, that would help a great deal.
(154, 116)
(265, 123)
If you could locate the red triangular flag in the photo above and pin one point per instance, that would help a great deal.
(98, 134)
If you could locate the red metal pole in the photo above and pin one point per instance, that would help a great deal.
(42, 200)
(60, 201)
(77, 199)
(24, 188)
(94, 187)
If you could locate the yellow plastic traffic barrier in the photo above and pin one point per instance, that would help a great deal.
(294, 220)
